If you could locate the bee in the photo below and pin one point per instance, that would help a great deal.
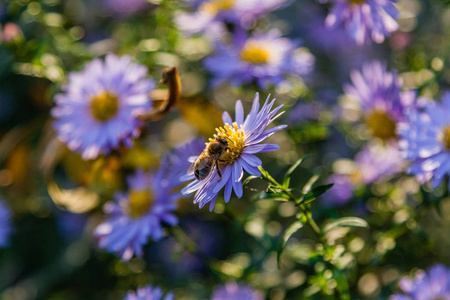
(209, 158)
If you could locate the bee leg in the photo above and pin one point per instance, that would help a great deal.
(218, 171)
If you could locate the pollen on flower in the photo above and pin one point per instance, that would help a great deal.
(235, 137)
(104, 106)
(216, 6)
(255, 53)
(139, 203)
(381, 125)
(445, 138)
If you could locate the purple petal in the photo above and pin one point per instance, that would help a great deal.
(251, 159)
(226, 118)
(228, 189)
(239, 113)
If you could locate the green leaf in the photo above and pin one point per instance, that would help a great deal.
(309, 184)
(342, 286)
(295, 166)
(316, 192)
(286, 182)
(293, 228)
(271, 196)
(346, 222)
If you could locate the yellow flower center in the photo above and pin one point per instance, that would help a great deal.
(235, 137)
(104, 106)
(381, 124)
(255, 53)
(445, 138)
(356, 2)
(139, 203)
(216, 6)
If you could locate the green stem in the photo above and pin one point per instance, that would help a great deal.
(305, 211)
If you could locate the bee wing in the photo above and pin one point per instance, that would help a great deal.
(192, 167)
(193, 158)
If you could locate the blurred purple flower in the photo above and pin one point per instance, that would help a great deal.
(71, 225)
(378, 92)
(235, 291)
(378, 160)
(305, 111)
(5, 224)
(125, 9)
(138, 214)
(264, 58)
(179, 159)
(209, 240)
(211, 14)
(425, 139)
(244, 138)
(373, 162)
(364, 20)
(433, 284)
(97, 109)
(148, 293)
(341, 192)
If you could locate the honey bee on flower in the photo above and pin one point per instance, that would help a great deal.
(243, 139)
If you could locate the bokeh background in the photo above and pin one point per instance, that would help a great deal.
(55, 197)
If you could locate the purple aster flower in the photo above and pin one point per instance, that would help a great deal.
(364, 20)
(148, 293)
(430, 285)
(97, 109)
(425, 139)
(5, 225)
(138, 214)
(243, 138)
(264, 58)
(211, 14)
(125, 9)
(235, 291)
(378, 92)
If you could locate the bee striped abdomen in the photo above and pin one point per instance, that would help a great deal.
(203, 168)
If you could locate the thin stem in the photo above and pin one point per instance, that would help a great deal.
(305, 211)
